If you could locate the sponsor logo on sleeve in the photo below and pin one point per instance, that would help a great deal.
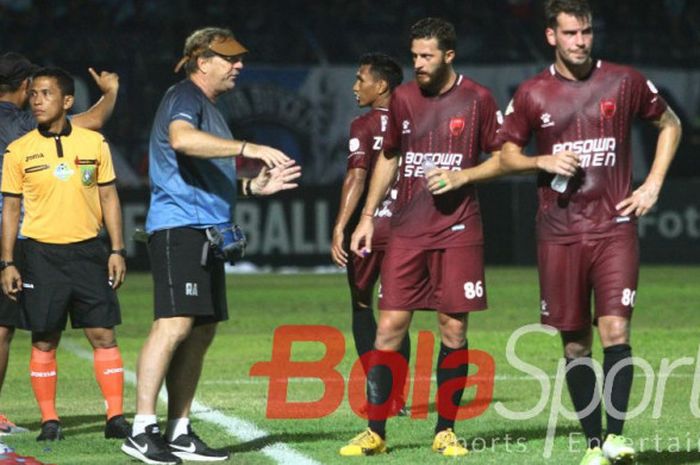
(354, 144)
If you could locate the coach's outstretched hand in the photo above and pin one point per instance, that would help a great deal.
(279, 178)
(11, 282)
(271, 157)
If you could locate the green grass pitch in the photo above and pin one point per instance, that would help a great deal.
(666, 325)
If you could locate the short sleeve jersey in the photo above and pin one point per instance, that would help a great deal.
(58, 177)
(367, 134)
(14, 123)
(451, 130)
(593, 118)
(187, 191)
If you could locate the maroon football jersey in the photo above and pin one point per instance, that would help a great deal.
(593, 118)
(451, 130)
(366, 141)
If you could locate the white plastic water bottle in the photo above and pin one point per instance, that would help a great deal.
(428, 165)
(559, 183)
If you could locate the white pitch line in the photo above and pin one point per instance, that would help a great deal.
(237, 427)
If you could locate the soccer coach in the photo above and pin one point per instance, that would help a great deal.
(193, 190)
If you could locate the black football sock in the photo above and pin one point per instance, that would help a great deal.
(583, 389)
(379, 381)
(622, 384)
(405, 351)
(447, 409)
(364, 329)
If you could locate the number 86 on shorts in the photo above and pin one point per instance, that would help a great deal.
(473, 290)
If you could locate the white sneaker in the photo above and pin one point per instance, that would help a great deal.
(618, 449)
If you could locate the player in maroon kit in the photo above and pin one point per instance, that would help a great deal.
(376, 78)
(438, 123)
(580, 112)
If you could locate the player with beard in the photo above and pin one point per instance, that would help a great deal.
(376, 78)
(434, 261)
(580, 111)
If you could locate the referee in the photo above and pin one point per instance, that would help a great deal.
(65, 177)
(15, 121)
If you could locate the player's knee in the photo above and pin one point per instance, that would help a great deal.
(613, 331)
(171, 331)
(101, 338)
(575, 350)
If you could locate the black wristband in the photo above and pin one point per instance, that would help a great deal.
(121, 252)
(4, 264)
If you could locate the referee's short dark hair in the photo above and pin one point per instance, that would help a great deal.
(579, 9)
(63, 79)
(436, 28)
(384, 67)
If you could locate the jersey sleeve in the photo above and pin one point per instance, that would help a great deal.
(491, 120)
(392, 138)
(647, 103)
(12, 172)
(516, 126)
(105, 170)
(359, 145)
(185, 106)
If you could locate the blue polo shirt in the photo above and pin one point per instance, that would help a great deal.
(187, 191)
(14, 123)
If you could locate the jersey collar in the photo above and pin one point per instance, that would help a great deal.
(65, 132)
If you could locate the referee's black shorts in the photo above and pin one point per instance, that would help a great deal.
(63, 279)
(9, 309)
(182, 286)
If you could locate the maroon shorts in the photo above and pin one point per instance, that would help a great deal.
(363, 273)
(447, 280)
(569, 272)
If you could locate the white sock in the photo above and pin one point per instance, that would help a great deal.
(176, 428)
(140, 423)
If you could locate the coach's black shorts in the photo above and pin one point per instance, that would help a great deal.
(10, 309)
(182, 286)
(62, 279)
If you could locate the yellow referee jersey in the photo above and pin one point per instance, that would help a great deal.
(57, 175)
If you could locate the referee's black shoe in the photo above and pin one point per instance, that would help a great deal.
(190, 447)
(150, 447)
(50, 431)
